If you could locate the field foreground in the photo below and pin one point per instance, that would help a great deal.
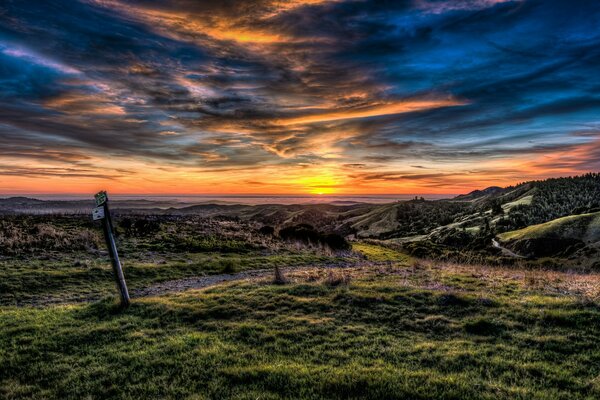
(393, 328)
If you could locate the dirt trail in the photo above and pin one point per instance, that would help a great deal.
(504, 250)
(181, 285)
(198, 282)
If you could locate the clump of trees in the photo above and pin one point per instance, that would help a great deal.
(307, 234)
(266, 230)
(552, 198)
(419, 217)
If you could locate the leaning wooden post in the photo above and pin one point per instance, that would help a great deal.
(102, 212)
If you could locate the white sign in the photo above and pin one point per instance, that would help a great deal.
(98, 213)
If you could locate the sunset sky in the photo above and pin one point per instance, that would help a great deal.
(291, 97)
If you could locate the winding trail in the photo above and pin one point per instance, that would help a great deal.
(504, 250)
(205, 281)
(181, 285)
(198, 282)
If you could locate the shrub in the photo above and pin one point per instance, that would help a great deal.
(139, 226)
(302, 232)
(229, 266)
(279, 278)
(336, 242)
(267, 230)
(308, 235)
(337, 278)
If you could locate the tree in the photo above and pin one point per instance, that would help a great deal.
(497, 208)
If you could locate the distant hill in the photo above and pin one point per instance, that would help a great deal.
(562, 236)
(479, 194)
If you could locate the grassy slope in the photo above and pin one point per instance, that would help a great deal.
(406, 330)
(379, 220)
(522, 201)
(379, 254)
(585, 227)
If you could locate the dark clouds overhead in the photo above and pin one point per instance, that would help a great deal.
(358, 95)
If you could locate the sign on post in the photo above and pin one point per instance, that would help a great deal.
(101, 198)
(102, 212)
(98, 213)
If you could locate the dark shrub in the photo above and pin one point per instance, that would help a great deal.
(307, 234)
(336, 242)
(302, 232)
(145, 227)
(546, 247)
(267, 230)
(279, 278)
(337, 278)
(229, 266)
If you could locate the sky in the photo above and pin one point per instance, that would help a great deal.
(296, 97)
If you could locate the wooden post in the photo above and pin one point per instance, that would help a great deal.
(102, 212)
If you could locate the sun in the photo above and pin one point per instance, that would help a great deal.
(318, 185)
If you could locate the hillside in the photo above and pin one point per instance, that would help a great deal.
(480, 194)
(562, 236)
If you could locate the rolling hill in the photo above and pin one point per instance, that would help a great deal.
(562, 236)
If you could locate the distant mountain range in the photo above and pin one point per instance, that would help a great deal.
(465, 221)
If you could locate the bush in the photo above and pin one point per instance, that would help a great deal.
(267, 230)
(337, 278)
(279, 278)
(229, 266)
(336, 242)
(302, 232)
(307, 234)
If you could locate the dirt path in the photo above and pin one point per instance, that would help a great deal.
(181, 285)
(504, 250)
(200, 282)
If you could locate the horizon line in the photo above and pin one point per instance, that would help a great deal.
(231, 194)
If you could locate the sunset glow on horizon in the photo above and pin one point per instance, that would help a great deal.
(289, 97)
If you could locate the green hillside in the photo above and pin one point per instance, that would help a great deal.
(584, 227)
(562, 236)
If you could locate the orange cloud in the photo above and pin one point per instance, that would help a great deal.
(373, 111)
(82, 103)
(175, 23)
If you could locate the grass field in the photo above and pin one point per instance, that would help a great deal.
(396, 328)
(379, 253)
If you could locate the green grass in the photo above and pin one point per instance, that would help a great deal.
(398, 329)
(380, 253)
(523, 201)
(376, 338)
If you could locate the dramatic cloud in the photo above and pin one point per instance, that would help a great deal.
(272, 96)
